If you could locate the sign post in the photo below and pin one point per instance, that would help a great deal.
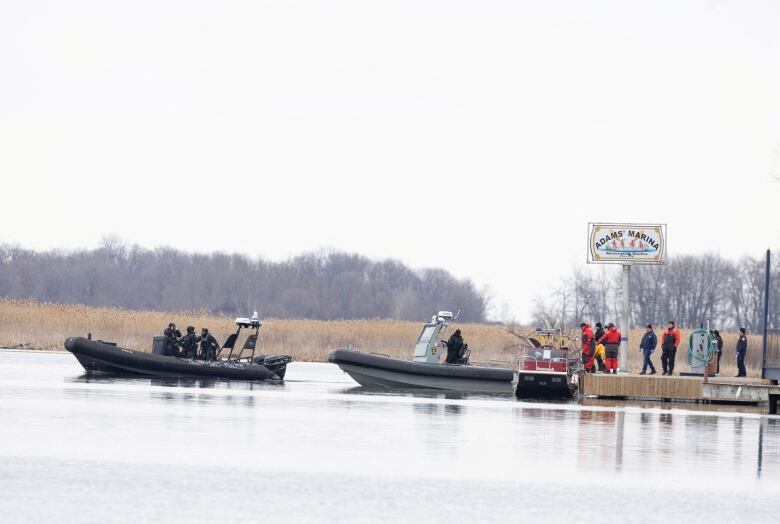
(625, 321)
(626, 244)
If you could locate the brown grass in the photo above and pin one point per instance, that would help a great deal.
(45, 326)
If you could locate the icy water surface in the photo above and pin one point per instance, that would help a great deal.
(318, 449)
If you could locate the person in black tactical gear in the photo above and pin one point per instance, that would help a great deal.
(719, 340)
(454, 345)
(189, 343)
(172, 336)
(742, 345)
(208, 345)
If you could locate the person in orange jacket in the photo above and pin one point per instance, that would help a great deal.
(669, 342)
(611, 341)
(588, 344)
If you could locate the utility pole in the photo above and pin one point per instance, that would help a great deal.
(766, 311)
(625, 325)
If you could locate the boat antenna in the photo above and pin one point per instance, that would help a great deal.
(256, 323)
(457, 314)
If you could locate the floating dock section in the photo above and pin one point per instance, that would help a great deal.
(685, 389)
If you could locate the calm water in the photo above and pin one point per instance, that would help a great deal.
(318, 449)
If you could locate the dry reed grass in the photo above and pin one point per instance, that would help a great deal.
(45, 326)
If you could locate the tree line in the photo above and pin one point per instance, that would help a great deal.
(326, 285)
(688, 290)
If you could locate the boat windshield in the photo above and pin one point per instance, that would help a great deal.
(427, 334)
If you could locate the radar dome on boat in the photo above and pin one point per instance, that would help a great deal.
(444, 315)
(249, 322)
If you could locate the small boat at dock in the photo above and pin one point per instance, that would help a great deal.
(549, 369)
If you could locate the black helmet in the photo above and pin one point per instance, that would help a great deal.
(171, 325)
(204, 330)
(610, 325)
(457, 331)
(190, 329)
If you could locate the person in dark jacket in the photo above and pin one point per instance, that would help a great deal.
(719, 340)
(454, 345)
(669, 342)
(208, 345)
(597, 355)
(172, 336)
(742, 345)
(189, 343)
(647, 346)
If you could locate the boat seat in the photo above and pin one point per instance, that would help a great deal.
(463, 355)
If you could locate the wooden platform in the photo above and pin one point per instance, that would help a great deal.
(691, 389)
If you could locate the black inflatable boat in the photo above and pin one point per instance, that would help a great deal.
(100, 356)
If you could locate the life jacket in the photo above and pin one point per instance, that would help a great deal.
(612, 336)
(208, 342)
(668, 339)
(611, 341)
(190, 341)
(588, 343)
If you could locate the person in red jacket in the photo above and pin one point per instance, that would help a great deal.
(611, 341)
(588, 345)
(669, 342)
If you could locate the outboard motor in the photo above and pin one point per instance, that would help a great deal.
(429, 347)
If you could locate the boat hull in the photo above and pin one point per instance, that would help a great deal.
(543, 385)
(374, 371)
(102, 357)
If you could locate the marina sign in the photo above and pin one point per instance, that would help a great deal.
(626, 243)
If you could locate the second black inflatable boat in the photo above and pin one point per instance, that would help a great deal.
(380, 371)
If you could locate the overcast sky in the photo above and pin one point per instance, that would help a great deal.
(477, 136)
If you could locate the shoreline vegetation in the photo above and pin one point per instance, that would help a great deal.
(26, 324)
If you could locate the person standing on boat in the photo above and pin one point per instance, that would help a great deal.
(454, 345)
(189, 343)
(588, 345)
(742, 345)
(669, 343)
(611, 341)
(719, 340)
(172, 336)
(647, 346)
(208, 345)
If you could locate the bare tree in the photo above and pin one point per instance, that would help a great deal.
(689, 290)
(322, 285)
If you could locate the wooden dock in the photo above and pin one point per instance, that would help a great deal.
(688, 389)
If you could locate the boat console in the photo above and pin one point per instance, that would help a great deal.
(429, 346)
